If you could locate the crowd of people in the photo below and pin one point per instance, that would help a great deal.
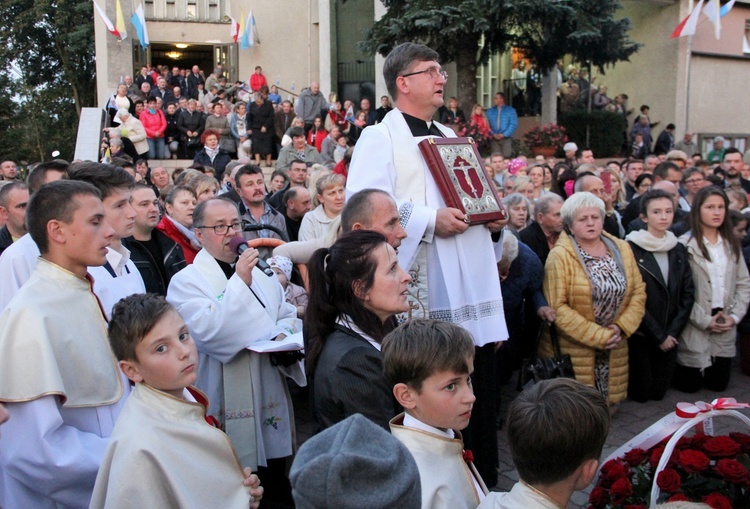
(149, 318)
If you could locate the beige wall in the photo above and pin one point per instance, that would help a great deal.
(651, 76)
(288, 49)
(718, 104)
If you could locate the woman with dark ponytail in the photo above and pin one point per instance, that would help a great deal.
(356, 289)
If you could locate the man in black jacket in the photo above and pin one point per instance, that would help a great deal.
(542, 234)
(156, 256)
(13, 200)
(191, 124)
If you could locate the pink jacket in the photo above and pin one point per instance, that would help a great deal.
(153, 123)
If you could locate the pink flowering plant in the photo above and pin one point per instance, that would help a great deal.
(547, 135)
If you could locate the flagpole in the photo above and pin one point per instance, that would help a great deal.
(687, 76)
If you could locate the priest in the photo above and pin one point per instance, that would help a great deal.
(228, 304)
(453, 265)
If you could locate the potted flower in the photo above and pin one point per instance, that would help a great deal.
(545, 139)
(480, 132)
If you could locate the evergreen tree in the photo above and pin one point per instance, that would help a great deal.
(455, 29)
(50, 46)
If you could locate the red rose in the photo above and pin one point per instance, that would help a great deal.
(699, 439)
(635, 506)
(678, 497)
(615, 469)
(620, 490)
(731, 470)
(635, 457)
(693, 461)
(684, 443)
(742, 439)
(669, 480)
(718, 501)
(599, 497)
(721, 447)
(656, 456)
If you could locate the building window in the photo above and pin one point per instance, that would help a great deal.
(746, 38)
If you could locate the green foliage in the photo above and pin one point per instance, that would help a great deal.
(605, 130)
(444, 25)
(453, 28)
(587, 30)
(51, 44)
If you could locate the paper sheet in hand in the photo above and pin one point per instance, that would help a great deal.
(288, 344)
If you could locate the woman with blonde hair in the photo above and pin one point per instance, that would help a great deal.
(592, 282)
(205, 187)
(316, 172)
(325, 217)
(525, 186)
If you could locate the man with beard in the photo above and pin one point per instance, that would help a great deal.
(732, 164)
(253, 207)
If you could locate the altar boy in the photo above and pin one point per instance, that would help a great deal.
(164, 452)
(429, 365)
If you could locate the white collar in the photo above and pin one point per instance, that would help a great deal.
(413, 422)
(118, 258)
(347, 322)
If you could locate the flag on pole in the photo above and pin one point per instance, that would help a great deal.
(235, 30)
(712, 10)
(139, 22)
(254, 33)
(241, 34)
(247, 39)
(110, 27)
(726, 8)
(687, 25)
(120, 22)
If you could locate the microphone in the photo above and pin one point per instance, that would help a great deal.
(239, 246)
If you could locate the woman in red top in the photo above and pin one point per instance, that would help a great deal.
(154, 123)
(479, 119)
(317, 134)
(178, 221)
(337, 116)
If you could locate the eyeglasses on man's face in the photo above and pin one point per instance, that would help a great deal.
(222, 229)
(433, 71)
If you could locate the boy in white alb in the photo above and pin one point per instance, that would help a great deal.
(429, 365)
(58, 376)
(164, 452)
(556, 432)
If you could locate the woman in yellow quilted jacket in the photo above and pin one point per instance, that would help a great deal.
(593, 283)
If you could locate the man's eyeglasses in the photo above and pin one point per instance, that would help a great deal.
(222, 229)
(694, 181)
(434, 72)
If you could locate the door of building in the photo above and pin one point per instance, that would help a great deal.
(228, 57)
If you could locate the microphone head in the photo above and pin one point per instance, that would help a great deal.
(236, 242)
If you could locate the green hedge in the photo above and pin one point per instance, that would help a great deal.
(605, 130)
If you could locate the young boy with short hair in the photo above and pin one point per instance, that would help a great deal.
(429, 364)
(556, 432)
(163, 452)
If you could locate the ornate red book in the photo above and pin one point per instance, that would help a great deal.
(458, 169)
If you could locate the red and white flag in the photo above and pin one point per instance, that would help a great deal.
(687, 25)
(110, 26)
(235, 30)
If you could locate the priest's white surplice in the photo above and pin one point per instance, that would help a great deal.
(459, 273)
(247, 394)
